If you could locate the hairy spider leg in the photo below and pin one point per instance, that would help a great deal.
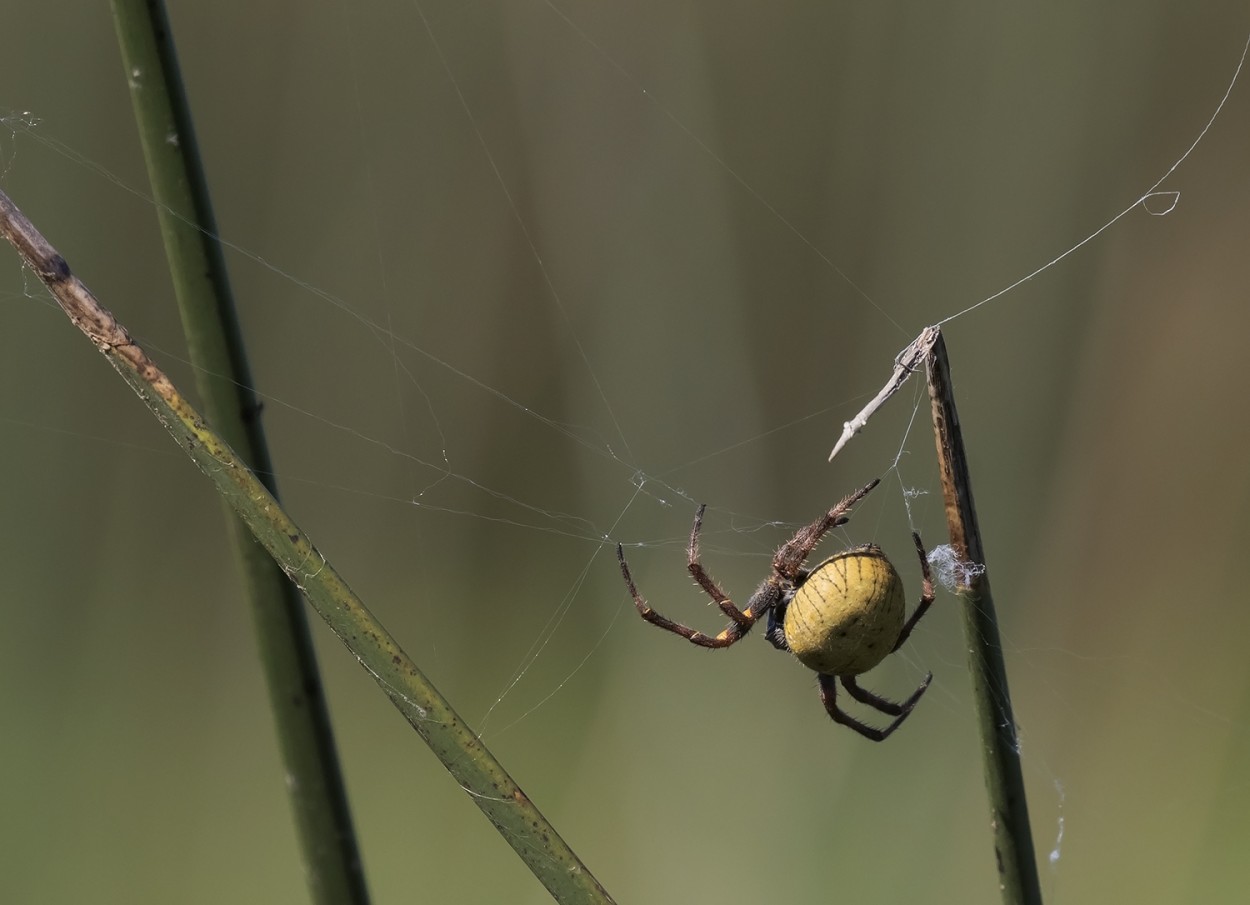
(788, 560)
(828, 697)
(734, 632)
(926, 594)
(709, 586)
(875, 701)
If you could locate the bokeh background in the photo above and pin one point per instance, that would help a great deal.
(742, 212)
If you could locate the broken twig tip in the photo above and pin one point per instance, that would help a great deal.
(904, 364)
(849, 430)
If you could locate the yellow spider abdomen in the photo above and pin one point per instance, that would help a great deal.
(848, 614)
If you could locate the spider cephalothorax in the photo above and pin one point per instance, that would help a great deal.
(839, 619)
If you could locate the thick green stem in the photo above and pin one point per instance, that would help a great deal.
(215, 343)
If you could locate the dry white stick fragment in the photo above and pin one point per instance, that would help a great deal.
(904, 364)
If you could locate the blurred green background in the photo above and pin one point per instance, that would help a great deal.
(467, 433)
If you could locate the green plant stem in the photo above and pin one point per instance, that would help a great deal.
(461, 752)
(1004, 781)
(315, 785)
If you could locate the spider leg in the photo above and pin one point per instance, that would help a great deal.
(731, 634)
(926, 594)
(789, 559)
(705, 581)
(886, 706)
(828, 697)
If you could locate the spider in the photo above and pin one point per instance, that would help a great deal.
(839, 619)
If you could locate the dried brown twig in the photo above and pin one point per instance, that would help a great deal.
(905, 364)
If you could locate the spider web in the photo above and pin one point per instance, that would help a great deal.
(580, 269)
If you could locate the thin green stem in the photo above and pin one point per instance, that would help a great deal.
(215, 343)
(1004, 781)
(472, 766)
